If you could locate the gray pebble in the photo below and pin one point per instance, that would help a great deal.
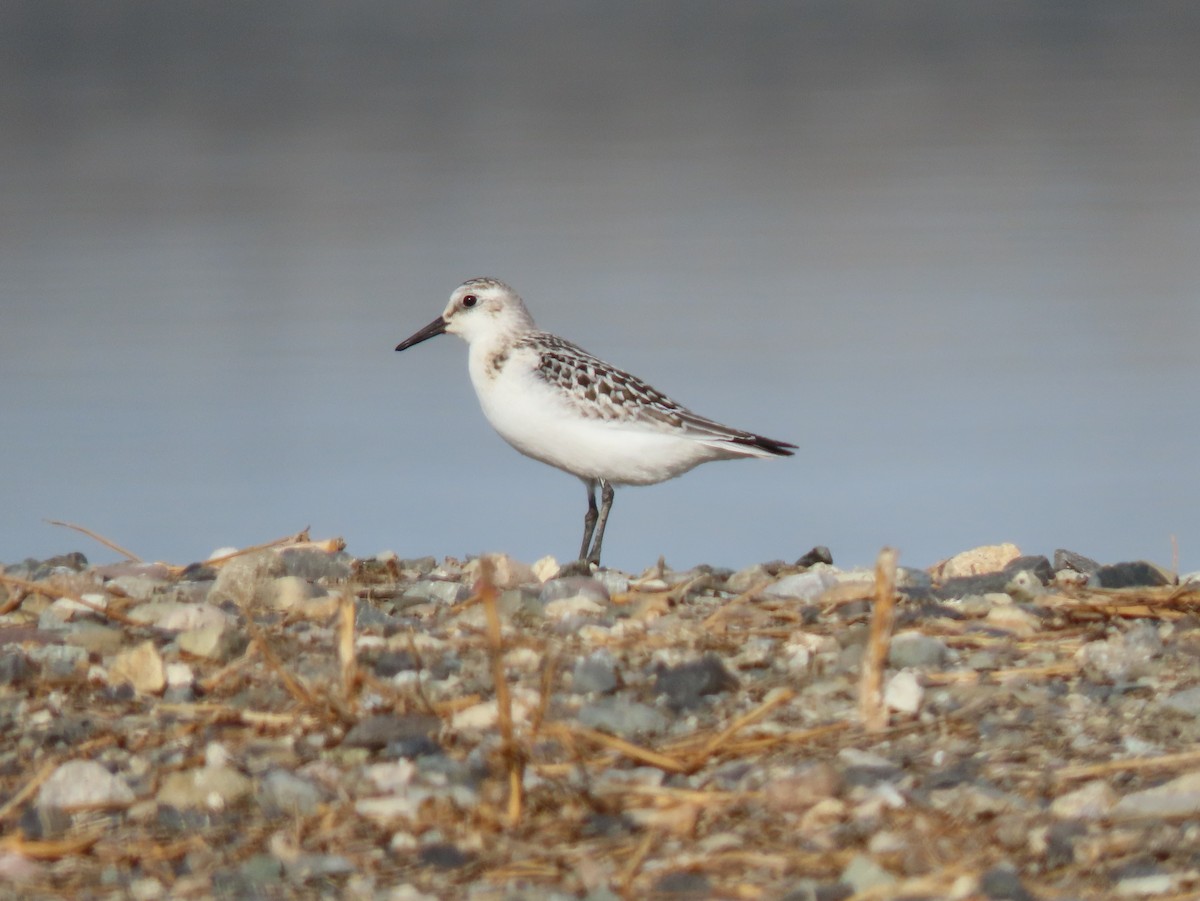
(378, 731)
(283, 793)
(1186, 702)
(79, 783)
(595, 673)
(806, 586)
(914, 649)
(573, 587)
(862, 874)
(686, 684)
(622, 717)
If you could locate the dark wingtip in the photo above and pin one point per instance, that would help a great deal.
(778, 448)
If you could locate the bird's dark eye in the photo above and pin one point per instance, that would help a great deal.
(470, 300)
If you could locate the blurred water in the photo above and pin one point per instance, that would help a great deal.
(950, 252)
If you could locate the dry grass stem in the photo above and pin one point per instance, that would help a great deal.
(108, 543)
(871, 707)
(487, 594)
(1182, 760)
(347, 662)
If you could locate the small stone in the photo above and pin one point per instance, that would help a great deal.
(1003, 883)
(545, 569)
(1113, 660)
(140, 588)
(247, 579)
(573, 608)
(595, 673)
(1186, 702)
(1091, 801)
(313, 564)
(308, 867)
(745, 579)
(904, 692)
(819, 554)
(914, 649)
(862, 874)
(261, 870)
(59, 661)
(977, 561)
(283, 793)
(172, 616)
(378, 731)
(1138, 574)
(486, 715)
(622, 717)
(206, 787)
(1178, 798)
(1025, 586)
(574, 587)
(95, 638)
(66, 609)
(506, 571)
(683, 884)
(437, 590)
(805, 586)
(289, 591)
(219, 642)
(1012, 618)
(1069, 560)
(83, 783)
(1145, 877)
(685, 684)
(444, 857)
(147, 888)
(142, 667)
(15, 667)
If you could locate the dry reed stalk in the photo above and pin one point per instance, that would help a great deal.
(570, 731)
(487, 594)
(111, 545)
(721, 613)
(50, 590)
(30, 787)
(300, 539)
(49, 849)
(347, 662)
(870, 696)
(1133, 765)
(624, 881)
(256, 718)
(715, 744)
(970, 677)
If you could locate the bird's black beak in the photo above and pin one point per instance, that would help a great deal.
(435, 328)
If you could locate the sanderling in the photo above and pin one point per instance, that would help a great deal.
(557, 403)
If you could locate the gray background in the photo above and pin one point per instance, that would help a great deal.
(949, 249)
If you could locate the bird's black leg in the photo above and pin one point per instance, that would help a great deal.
(606, 499)
(589, 519)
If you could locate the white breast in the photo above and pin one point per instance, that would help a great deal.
(536, 418)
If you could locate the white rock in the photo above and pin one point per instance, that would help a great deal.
(1178, 798)
(576, 606)
(142, 667)
(1091, 801)
(176, 617)
(486, 715)
(83, 783)
(179, 675)
(806, 586)
(988, 558)
(904, 692)
(545, 569)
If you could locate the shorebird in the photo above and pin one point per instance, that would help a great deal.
(555, 402)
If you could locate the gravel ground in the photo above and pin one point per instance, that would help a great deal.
(295, 722)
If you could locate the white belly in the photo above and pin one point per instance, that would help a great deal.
(532, 416)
